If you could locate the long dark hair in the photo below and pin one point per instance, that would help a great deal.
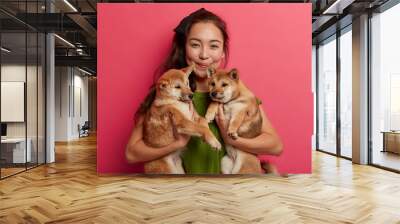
(177, 56)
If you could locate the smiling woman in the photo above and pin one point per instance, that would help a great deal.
(204, 47)
(200, 39)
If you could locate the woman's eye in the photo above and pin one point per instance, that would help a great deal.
(195, 45)
(214, 46)
(224, 84)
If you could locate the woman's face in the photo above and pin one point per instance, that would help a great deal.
(204, 47)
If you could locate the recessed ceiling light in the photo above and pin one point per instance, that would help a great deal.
(70, 5)
(64, 40)
(5, 50)
(337, 7)
(86, 72)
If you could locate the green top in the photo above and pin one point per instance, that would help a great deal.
(200, 157)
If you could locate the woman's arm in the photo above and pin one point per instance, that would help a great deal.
(268, 142)
(138, 151)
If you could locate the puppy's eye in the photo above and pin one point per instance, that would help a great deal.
(213, 84)
(178, 86)
(224, 85)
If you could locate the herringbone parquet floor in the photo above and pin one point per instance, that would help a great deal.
(70, 191)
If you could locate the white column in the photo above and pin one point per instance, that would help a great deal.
(50, 100)
(360, 90)
(50, 92)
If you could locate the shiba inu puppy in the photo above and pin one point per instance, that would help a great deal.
(245, 120)
(170, 114)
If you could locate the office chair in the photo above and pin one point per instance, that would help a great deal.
(84, 130)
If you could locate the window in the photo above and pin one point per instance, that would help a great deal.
(346, 75)
(327, 95)
(385, 88)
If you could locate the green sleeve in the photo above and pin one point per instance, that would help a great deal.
(259, 101)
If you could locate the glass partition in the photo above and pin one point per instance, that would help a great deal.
(327, 95)
(22, 88)
(14, 153)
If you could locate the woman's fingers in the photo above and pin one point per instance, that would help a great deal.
(221, 117)
(191, 108)
(221, 112)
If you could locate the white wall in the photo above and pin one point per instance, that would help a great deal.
(16, 73)
(33, 127)
(61, 103)
(81, 102)
(71, 93)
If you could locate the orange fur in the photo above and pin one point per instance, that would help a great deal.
(171, 114)
(241, 109)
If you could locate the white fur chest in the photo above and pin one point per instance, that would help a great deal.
(184, 108)
(231, 108)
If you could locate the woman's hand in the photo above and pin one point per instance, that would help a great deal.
(223, 123)
(267, 143)
(137, 151)
(181, 141)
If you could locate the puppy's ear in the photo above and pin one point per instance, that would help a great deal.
(210, 72)
(234, 74)
(162, 84)
(188, 69)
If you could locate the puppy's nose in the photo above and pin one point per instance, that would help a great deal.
(191, 96)
(213, 94)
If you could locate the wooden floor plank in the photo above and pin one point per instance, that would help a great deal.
(70, 191)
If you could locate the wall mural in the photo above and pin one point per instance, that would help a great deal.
(204, 88)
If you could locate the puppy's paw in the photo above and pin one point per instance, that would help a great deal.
(217, 145)
(233, 135)
(210, 117)
(213, 142)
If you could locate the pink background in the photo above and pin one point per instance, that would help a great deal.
(270, 44)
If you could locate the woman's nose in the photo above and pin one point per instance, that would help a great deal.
(203, 54)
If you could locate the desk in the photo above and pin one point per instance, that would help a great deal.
(15, 148)
(391, 141)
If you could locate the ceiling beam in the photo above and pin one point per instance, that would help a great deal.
(85, 61)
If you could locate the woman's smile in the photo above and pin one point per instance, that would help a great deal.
(202, 66)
